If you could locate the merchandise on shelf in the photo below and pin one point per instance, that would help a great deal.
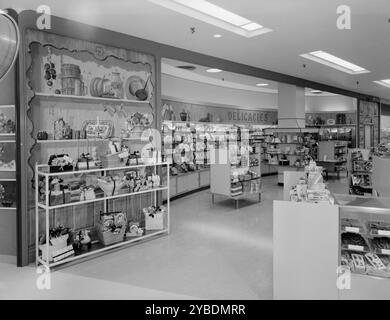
(154, 217)
(81, 241)
(379, 228)
(380, 245)
(353, 241)
(352, 225)
(134, 229)
(60, 246)
(311, 188)
(60, 162)
(360, 181)
(111, 227)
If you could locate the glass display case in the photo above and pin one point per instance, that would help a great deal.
(365, 235)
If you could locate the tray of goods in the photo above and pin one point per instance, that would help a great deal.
(346, 259)
(359, 265)
(354, 242)
(379, 228)
(376, 266)
(381, 245)
(352, 225)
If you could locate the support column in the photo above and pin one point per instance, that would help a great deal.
(291, 103)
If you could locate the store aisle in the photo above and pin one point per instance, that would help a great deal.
(213, 252)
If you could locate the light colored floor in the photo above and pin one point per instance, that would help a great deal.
(213, 252)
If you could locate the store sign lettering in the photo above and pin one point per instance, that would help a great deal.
(247, 116)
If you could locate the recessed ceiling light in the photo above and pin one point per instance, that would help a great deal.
(334, 62)
(316, 91)
(261, 84)
(213, 70)
(385, 82)
(215, 15)
(187, 67)
(217, 36)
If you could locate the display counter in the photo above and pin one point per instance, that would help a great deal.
(325, 251)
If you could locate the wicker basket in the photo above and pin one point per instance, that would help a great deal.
(107, 237)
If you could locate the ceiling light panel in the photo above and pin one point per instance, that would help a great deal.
(334, 62)
(385, 82)
(214, 70)
(215, 15)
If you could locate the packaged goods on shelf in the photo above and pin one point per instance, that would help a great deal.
(111, 227)
(379, 228)
(352, 225)
(60, 162)
(375, 261)
(154, 217)
(358, 263)
(381, 245)
(59, 244)
(134, 229)
(354, 242)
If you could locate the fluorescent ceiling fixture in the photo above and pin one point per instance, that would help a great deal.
(252, 26)
(385, 82)
(215, 15)
(213, 70)
(261, 84)
(316, 91)
(334, 62)
(217, 36)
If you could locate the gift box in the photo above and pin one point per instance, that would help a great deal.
(87, 194)
(60, 163)
(111, 227)
(58, 248)
(59, 197)
(154, 218)
(111, 160)
(56, 254)
(154, 221)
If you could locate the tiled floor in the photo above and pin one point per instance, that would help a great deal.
(213, 252)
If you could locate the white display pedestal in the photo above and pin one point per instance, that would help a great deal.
(306, 241)
(306, 244)
(381, 176)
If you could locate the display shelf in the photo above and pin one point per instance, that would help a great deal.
(99, 248)
(42, 206)
(7, 135)
(50, 141)
(88, 99)
(62, 173)
(7, 208)
(7, 106)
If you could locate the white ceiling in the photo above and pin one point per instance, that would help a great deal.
(224, 78)
(299, 26)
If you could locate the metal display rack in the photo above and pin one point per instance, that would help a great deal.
(97, 248)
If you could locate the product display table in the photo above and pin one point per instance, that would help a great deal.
(317, 248)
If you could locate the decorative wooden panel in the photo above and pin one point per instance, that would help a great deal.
(94, 60)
